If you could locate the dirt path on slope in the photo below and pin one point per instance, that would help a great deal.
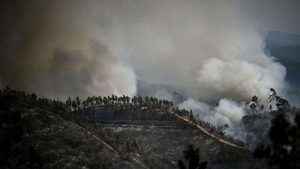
(136, 160)
(208, 133)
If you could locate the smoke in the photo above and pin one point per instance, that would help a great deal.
(96, 73)
(226, 113)
(208, 49)
(211, 51)
(52, 48)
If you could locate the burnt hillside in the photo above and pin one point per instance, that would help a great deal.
(43, 133)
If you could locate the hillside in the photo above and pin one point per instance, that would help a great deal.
(42, 133)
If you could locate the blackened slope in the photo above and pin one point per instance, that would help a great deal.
(162, 147)
(34, 137)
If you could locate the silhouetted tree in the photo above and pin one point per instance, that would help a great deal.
(284, 150)
(191, 159)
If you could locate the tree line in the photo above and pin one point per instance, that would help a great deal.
(78, 103)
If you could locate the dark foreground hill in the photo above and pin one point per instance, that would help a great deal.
(42, 133)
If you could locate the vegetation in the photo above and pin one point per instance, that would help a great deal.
(191, 159)
(78, 104)
(283, 151)
(37, 132)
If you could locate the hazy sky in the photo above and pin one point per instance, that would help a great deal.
(282, 15)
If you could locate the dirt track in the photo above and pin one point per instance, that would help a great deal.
(208, 133)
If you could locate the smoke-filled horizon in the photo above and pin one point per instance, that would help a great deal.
(207, 49)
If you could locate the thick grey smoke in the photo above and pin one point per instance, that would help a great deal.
(53, 49)
(208, 49)
(78, 72)
(94, 73)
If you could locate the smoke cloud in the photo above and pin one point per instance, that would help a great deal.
(204, 48)
(54, 52)
(227, 113)
(208, 49)
(97, 72)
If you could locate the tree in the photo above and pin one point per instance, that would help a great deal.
(69, 102)
(105, 100)
(284, 150)
(140, 100)
(134, 100)
(78, 103)
(74, 106)
(127, 99)
(191, 159)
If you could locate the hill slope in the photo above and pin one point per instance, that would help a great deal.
(40, 133)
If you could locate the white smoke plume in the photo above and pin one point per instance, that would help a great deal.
(205, 48)
(226, 113)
